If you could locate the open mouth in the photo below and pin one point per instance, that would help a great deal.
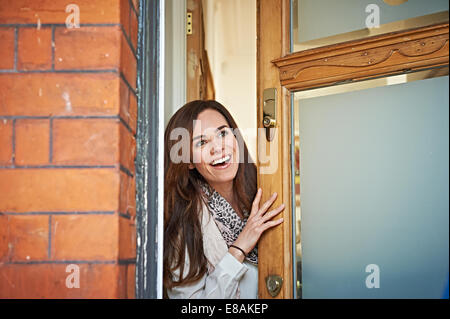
(222, 162)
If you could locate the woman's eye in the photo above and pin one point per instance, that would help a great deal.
(223, 133)
(200, 143)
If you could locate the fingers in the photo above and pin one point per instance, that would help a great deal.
(258, 221)
(271, 224)
(273, 213)
(268, 203)
(256, 210)
(255, 205)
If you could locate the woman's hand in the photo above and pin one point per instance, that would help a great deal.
(258, 222)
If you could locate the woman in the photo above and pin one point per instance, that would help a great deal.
(213, 220)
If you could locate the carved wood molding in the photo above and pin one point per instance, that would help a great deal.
(391, 53)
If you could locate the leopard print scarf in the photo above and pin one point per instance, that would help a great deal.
(227, 220)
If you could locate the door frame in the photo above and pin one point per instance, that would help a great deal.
(149, 145)
(383, 55)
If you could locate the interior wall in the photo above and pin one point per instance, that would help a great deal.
(175, 57)
(230, 40)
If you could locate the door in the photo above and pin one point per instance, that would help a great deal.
(199, 80)
(359, 148)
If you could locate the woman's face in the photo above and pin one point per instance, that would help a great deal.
(214, 148)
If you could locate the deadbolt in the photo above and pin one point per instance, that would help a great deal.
(268, 122)
(269, 111)
(273, 284)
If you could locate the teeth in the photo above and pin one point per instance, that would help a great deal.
(221, 160)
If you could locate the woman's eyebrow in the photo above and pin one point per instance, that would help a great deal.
(221, 127)
(217, 129)
(197, 137)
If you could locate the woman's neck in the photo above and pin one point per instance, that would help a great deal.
(226, 191)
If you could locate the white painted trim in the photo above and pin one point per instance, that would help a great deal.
(175, 56)
(161, 126)
(172, 88)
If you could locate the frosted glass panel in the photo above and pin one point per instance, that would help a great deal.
(319, 19)
(374, 190)
(323, 18)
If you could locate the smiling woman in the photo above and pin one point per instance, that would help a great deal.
(215, 153)
(211, 226)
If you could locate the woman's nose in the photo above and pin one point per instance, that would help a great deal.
(216, 146)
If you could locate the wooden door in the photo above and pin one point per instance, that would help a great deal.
(403, 51)
(275, 246)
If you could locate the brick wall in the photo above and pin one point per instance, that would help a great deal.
(68, 111)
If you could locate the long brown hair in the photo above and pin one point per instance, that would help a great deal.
(183, 199)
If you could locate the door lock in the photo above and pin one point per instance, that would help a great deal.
(273, 284)
(268, 122)
(270, 112)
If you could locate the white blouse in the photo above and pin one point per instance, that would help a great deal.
(226, 277)
(223, 283)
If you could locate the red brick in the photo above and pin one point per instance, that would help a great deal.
(127, 281)
(32, 142)
(129, 21)
(85, 237)
(28, 190)
(131, 281)
(7, 44)
(51, 11)
(47, 94)
(124, 101)
(127, 199)
(123, 192)
(86, 141)
(75, 142)
(5, 141)
(136, 5)
(127, 149)
(87, 48)
(122, 291)
(27, 238)
(131, 203)
(35, 49)
(133, 110)
(125, 15)
(134, 27)
(128, 106)
(4, 237)
(127, 238)
(128, 63)
(49, 281)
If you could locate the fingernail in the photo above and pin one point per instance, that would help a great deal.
(275, 194)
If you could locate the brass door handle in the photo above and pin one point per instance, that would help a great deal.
(268, 122)
(274, 284)
(269, 111)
